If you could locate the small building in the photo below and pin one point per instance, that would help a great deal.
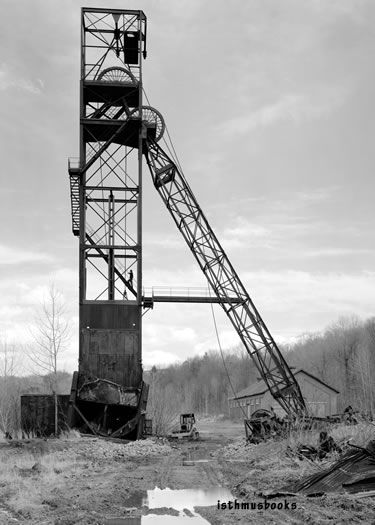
(320, 398)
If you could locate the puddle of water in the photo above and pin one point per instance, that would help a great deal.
(153, 519)
(178, 500)
(186, 498)
(174, 520)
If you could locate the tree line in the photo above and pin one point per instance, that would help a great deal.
(343, 356)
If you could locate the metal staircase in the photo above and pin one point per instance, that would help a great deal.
(75, 178)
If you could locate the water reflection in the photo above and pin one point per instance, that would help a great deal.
(153, 519)
(186, 498)
(176, 499)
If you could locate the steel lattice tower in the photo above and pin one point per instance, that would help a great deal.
(108, 394)
(106, 195)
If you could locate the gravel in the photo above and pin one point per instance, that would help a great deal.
(101, 449)
(237, 450)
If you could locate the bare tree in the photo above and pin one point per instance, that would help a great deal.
(163, 404)
(344, 341)
(51, 334)
(9, 389)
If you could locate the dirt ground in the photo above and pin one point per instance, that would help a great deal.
(85, 480)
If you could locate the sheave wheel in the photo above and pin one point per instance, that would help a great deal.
(153, 117)
(117, 74)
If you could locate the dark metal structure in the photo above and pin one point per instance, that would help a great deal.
(38, 414)
(189, 218)
(108, 394)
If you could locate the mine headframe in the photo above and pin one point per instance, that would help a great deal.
(108, 395)
(116, 130)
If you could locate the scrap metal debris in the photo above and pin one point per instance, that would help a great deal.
(326, 446)
(354, 472)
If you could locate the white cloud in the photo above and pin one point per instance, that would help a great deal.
(338, 252)
(10, 80)
(303, 301)
(11, 255)
(292, 107)
(159, 358)
(10, 311)
(228, 338)
(245, 228)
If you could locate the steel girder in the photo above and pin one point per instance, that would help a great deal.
(179, 199)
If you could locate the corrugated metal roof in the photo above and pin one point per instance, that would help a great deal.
(259, 388)
(255, 389)
(318, 380)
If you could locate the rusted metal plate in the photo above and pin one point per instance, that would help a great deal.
(113, 355)
(110, 316)
(101, 391)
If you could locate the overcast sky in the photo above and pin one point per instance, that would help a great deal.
(270, 105)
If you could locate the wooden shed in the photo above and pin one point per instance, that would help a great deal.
(38, 414)
(320, 398)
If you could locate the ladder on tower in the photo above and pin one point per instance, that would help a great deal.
(75, 179)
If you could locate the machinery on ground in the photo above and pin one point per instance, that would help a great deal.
(264, 424)
(187, 428)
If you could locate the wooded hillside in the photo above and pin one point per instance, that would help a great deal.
(343, 356)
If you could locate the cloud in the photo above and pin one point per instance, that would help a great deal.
(245, 228)
(277, 229)
(228, 338)
(10, 80)
(11, 255)
(242, 233)
(315, 195)
(338, 252)
(159, 358)
(298, 299)
(290, 107)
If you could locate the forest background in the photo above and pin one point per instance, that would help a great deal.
(343, 356)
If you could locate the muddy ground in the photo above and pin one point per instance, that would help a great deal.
(90, 481)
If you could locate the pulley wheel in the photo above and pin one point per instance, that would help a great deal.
(151, 116)
(117, 74)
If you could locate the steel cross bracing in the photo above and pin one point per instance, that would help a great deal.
(102, 36)
(224, 281)
(106, 180)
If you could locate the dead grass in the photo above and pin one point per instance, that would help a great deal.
(26, 478)
(359, 434)
(275, 463)
(70, 435)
